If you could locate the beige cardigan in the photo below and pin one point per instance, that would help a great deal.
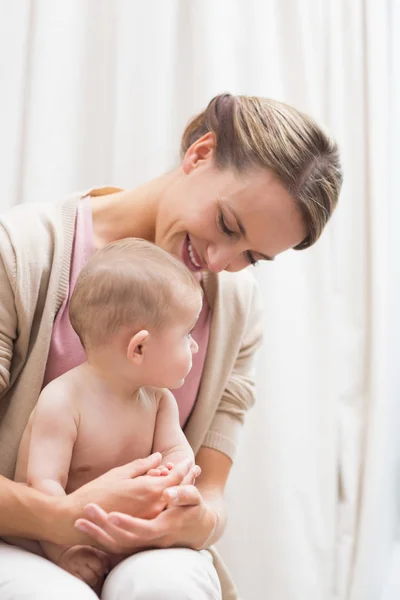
(35, 255)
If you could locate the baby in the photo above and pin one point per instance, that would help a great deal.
(133, 307)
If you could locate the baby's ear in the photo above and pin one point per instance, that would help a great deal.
(136, 347)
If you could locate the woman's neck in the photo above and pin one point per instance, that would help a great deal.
(130, 213)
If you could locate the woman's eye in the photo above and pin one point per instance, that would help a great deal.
(251, 259)
(223, 226)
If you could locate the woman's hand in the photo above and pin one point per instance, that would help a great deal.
(186, 522)
(126, 489)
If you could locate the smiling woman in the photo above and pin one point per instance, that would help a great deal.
(256, 178)
(257, 132)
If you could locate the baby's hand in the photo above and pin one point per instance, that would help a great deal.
(162, 470)
(86, 563)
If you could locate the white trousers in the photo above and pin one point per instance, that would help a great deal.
(172, 574)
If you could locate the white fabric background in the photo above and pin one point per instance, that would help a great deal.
(98, 92)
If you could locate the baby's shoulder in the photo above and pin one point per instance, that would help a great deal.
(60, 393)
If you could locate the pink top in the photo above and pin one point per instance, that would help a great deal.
(66, 350)
(187, 394)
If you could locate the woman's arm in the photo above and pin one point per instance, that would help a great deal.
(25, 512)
(192, 520)
(215, 469)
(8, 317)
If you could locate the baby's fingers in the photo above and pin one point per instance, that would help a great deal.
(154, 472)
(177, 474)
(159, 471)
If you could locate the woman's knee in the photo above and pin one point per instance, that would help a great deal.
(26, 576)
(172, 574)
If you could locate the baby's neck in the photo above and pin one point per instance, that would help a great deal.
(108, 382)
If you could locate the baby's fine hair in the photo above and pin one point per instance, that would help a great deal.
(130, 282)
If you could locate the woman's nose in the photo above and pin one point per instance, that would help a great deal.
(218, 257)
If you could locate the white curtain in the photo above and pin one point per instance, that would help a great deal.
(392, 579)
(98, 91)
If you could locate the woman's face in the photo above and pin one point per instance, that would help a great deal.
(217, 220)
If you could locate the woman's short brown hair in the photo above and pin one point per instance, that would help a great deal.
(251, 131)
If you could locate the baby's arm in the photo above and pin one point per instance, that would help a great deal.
(169, 438)
(53, 434)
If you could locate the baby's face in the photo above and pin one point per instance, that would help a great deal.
(169, 352)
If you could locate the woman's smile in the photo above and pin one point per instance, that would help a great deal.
(190, 257)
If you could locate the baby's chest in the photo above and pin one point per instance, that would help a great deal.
(110, 438)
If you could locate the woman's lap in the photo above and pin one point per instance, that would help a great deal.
(175, 573)
(171, 574)
(27, 576)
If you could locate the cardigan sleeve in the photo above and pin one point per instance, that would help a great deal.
(8, 315)
(238, 395)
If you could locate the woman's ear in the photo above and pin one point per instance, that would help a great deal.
(200, 151)
(136, 347)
